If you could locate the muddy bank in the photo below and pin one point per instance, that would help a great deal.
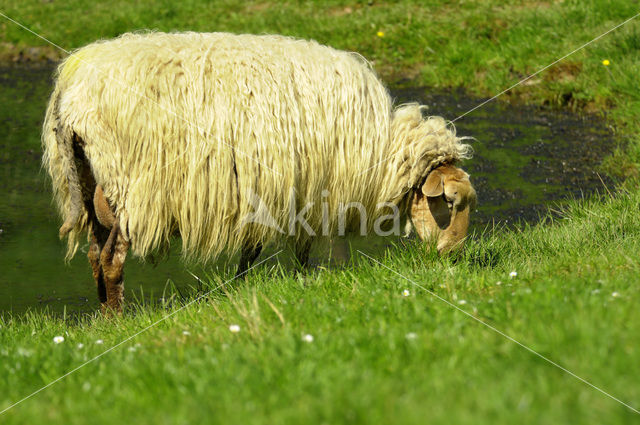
(47, 55)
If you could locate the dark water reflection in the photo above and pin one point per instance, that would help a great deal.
(525, 158)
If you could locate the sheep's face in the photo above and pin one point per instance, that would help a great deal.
(440, 209)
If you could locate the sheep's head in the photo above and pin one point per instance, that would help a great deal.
(440, 208)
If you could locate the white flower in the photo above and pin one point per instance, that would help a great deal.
(186, 333)
(132, 349)
(99, 342)
(615, 294)
(411, 335)
(406, 293)
(307, 338)
(80, 346)
(498, 283)
(462, 302)
(234, 328)
(513, 274)
(58, 339)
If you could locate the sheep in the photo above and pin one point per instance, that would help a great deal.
(151, 135)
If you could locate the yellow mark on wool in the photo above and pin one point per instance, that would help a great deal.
(73, 62)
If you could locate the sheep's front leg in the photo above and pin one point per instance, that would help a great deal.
(112, 260)
(302, 253)
(247, 257)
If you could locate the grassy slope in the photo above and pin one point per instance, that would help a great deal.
(361, 367)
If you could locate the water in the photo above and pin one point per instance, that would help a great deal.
(525, 158)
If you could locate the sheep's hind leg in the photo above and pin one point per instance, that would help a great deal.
(247, 257)
(98, 238)
(112, 260)
(99, 233)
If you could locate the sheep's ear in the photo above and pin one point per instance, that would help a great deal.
(433, 187)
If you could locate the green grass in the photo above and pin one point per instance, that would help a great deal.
(361, 367)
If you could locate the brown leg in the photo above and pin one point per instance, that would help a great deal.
(247, 257)
(99, 235)
(112, 260)
(94, 260)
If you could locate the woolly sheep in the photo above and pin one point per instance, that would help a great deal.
(151, 135)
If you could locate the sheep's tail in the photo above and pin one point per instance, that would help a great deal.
(60, 162)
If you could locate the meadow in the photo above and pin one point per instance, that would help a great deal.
(392, 338)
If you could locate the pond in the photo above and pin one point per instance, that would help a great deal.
(525, 159)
